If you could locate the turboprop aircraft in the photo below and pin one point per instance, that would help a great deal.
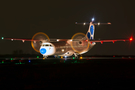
(80, 43)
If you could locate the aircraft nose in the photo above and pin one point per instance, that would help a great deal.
(42, 50)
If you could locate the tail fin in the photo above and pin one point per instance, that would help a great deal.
(90, 32)
(91, 29)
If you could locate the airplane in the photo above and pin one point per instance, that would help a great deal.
(79, 44)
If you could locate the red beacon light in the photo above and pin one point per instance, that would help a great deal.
(131, 39)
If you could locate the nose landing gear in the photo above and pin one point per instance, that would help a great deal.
(45, 56)
(76, 55)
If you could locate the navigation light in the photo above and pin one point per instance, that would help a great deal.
(93, 19)
(131, 39)
(2, 38)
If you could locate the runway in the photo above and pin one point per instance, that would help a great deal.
(58, 60)
(83, 73)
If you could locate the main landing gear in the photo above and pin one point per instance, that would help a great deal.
(76, 55)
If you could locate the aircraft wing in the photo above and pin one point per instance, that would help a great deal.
(19, 39)
(57, 40)
(22, 39)
(111, 40)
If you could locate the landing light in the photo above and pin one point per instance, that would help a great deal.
(57, 40)
(23, 41)
(62, 50)
(108, 23)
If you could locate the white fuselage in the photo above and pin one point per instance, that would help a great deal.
(60, 49)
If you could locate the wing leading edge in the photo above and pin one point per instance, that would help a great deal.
(20, 39)
(57, 40)
(111, 40)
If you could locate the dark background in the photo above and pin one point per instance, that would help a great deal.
(22, 19)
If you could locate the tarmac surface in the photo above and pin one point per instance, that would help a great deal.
(83, 73)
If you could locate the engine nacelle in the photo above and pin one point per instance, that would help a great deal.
(47, 49)
(80, 43)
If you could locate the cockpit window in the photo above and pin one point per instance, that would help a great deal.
(46, 45)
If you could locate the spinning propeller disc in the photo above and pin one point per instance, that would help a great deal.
(38, 39)
(80, 43)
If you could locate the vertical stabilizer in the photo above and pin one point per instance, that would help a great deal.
(90, 32)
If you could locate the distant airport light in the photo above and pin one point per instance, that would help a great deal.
(2, 61)
(11, 39)
(98, 23)
(73, 57)
(2, 38)
(84, 23)
(131, 39)
(80, 57)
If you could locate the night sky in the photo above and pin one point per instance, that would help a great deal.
(57, 19)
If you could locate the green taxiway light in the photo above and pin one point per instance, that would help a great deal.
(2, 38)
(37, 56)
(75, 61)
(11, 58)
(73, 57)
(2, 61)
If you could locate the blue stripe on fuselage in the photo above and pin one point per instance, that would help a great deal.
(92, 29)
(88, 35)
